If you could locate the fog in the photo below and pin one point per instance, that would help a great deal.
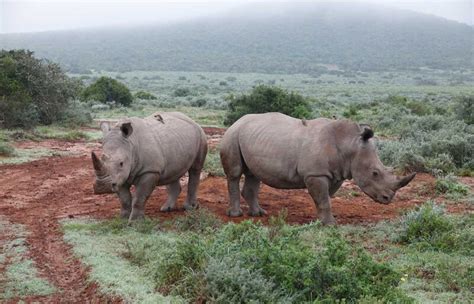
(41, 15)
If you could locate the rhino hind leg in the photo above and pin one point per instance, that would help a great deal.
(191, 202)
(174, 189)
(250, 194)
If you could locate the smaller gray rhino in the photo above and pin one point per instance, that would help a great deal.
(287, 153)
(156, 150)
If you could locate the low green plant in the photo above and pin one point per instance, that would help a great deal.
(428, 227)
(6, 149)
(450, 186)
(199, 220)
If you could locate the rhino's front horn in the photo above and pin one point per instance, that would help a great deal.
(404, 181)
(98, 167)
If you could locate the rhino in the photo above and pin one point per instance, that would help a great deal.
(289, 153)
(156, 150)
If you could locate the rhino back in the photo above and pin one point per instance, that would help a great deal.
(168, 147)
(281, 150)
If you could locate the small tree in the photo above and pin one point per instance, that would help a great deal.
(265, 99)
(145, 95)
(107, 89)
(32, 91)
(465, 109)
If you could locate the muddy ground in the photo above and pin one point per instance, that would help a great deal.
(39, 194)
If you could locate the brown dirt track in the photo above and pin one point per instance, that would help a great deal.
(40, 193)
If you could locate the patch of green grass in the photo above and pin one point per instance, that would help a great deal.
(27, 155)
(199, 221)
(105, 246)
(54, 132)
(213, 165)
(20, 277)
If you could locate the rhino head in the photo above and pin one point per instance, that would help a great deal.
(114, 167)
(370, 174)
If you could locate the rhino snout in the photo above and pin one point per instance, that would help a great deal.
(385, 198)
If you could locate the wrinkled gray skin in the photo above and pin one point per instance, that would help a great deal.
(156, 150)
(288, 153)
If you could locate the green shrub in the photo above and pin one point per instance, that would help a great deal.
(213, 165)
(249, 262)
(107, 90)
(145, 95)
(265, 99)
(198, 103)
(182, 92)
(32, 91)
(199, 220)
(6, 149)
(428, 227)
(449, 185)
(465, 109)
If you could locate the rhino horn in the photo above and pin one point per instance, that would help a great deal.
(404, 181)
(98, 166)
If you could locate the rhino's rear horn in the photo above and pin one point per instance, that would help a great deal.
(405, 180)
(96, 162)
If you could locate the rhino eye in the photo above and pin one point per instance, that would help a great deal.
(375, 174)
(121, 164)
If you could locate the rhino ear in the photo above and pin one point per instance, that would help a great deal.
(126, 129)
(105, 127)
(367, 133)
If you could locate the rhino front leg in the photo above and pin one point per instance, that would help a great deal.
(125, 198)
(174, 189)
(193, 183)
(145, 186)
(318, 187)
(250, 194)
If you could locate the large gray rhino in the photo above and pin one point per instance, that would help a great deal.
(288, 153)
(156, 150)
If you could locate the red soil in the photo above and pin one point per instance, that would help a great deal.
(40, 193)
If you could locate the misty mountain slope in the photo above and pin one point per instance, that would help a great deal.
(280, 38)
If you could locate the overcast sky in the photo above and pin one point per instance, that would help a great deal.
(45, 15)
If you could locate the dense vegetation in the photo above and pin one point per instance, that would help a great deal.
(263, 99)
(296, 38)
(34, 91)
(108, 90)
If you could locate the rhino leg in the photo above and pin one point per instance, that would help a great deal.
(174, 189)
(145, 186)
(193, 183)
(250, 194)
(318, 187)
(234, 197)
(125, 198)
(334, 187)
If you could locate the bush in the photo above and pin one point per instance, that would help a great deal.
(465, 109)
(6, 149)
(429, 228)
(181, 92)
(249, 262)
(145, 95)
(199, 220)
(449, 185)
(106, 90)
(198, 103)
(32, 91)
(265, 99)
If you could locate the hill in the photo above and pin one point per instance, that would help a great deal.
(281, 38)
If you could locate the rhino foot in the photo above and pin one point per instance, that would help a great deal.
(189, 207)
(125, 214)
(167, 209)
(257, 212)
(234, 213)
(328, 221)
